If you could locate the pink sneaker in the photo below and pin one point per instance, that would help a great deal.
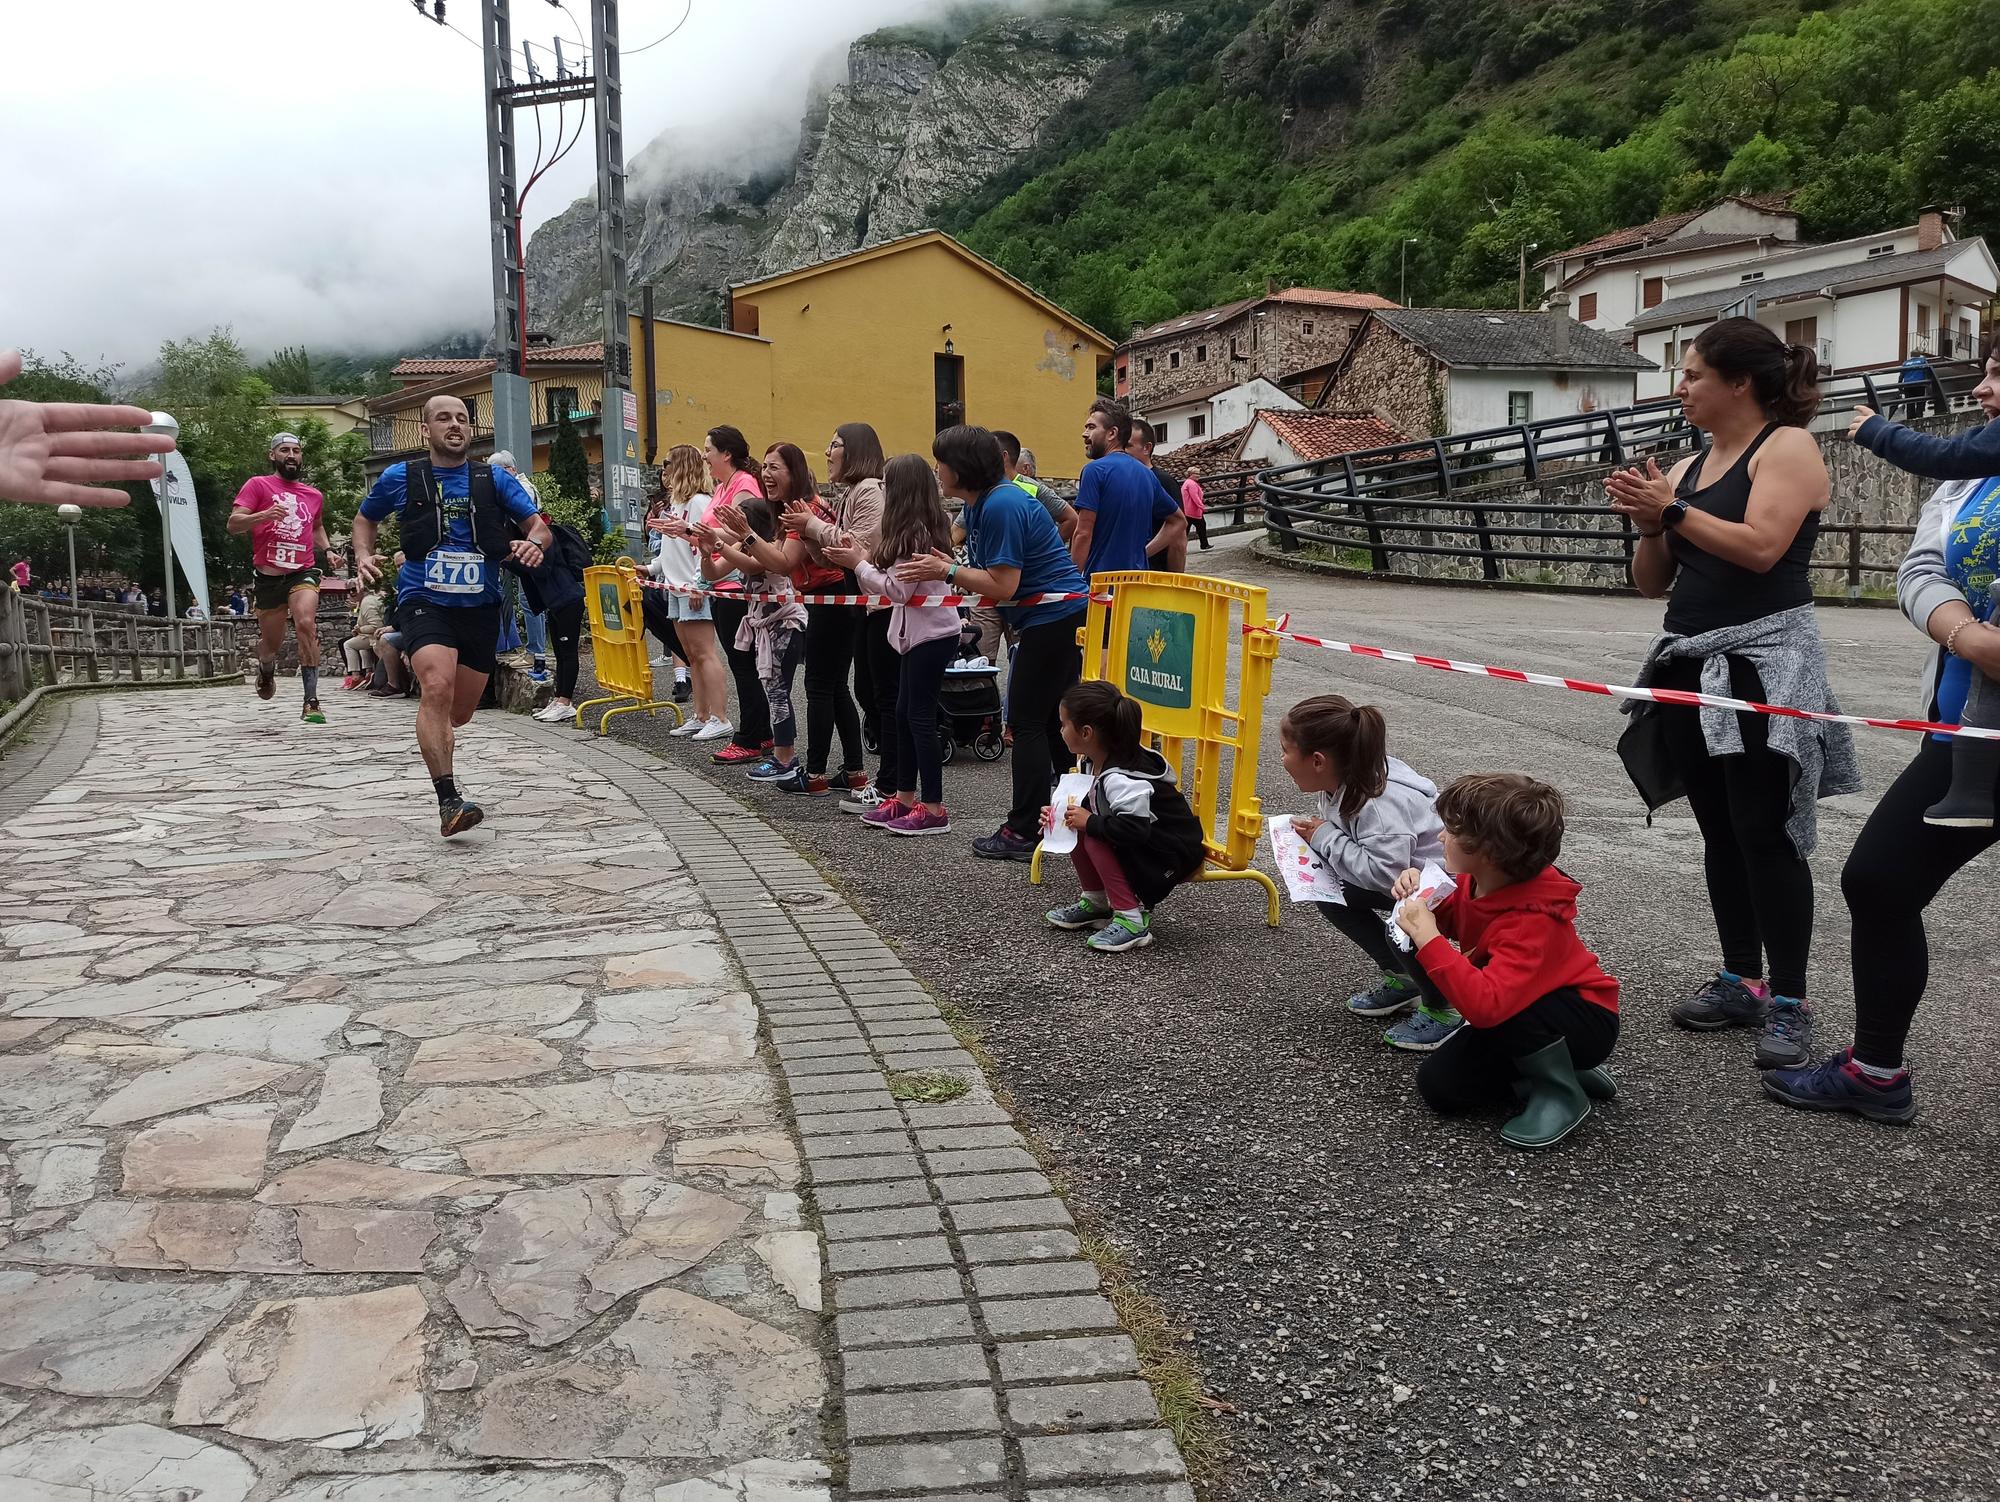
(921, 821)
(885, 813)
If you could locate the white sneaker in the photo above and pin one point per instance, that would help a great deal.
(555, 714)
(687, 728)
(661, 661)
(714, 730)
(861, 800)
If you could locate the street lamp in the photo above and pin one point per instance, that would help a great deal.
(69, 516)
(1403, 282)
(1521, 297)
(164, 423)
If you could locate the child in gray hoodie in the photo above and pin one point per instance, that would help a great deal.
(1376, 819)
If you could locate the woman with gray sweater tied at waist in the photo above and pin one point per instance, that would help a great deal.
(1905, 855)
(1730, 533)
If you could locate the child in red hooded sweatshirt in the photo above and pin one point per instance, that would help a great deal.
(1541, 1015)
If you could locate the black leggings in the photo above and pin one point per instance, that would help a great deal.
(831, 634)
(1361, 921)
(878, 671)
(565, 624)
(1897, 866)
(1199, 526)
(1046, 663)
(1475, 1070)
(753, 712)
(919, 758)
(660, 621)
(1759, 887)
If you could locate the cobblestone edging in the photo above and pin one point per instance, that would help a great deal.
(980, 1361)
(43, 755)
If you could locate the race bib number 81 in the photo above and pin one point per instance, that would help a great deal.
(288, 556)
(452, 573)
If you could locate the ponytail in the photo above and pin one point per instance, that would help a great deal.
(1351, 736)
(1783, 377)
(1098, 706)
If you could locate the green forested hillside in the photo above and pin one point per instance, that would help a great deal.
(1306, 140)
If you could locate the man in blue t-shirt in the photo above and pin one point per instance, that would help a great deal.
(459, 520)
(1124, 513)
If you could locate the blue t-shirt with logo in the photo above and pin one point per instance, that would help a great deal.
(1009, 528)
(1130, 503)
(454, 486)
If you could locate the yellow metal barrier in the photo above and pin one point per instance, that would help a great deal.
(618, 644)
(1166, 640)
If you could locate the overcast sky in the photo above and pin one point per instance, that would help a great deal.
(314, 171)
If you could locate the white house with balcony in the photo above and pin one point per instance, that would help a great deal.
(1211, 410)
(1865, 304)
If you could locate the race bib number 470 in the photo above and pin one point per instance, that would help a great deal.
(452, 573)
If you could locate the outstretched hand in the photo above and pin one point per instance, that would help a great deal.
(59, 453)
(1861, 415)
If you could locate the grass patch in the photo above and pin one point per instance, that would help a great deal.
(927, 1087)
(1164, 1362)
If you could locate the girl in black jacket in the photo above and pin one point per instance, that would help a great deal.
(1137, 839)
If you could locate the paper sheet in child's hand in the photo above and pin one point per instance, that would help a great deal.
(1434, 884)
(1071, 789)
(1306, 876)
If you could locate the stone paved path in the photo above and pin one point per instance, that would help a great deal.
(346, 1163)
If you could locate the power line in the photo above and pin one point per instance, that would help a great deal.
(437, 16)
(686, 10)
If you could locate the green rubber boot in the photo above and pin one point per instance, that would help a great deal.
(1597, 1083)
(1556, 1103)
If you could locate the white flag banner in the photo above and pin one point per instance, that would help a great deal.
(183, 523)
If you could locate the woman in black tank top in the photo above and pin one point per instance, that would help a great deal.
(1730, 534)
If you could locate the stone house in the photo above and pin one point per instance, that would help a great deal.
(1195, 415)
(1281, 331)
(1429, 372)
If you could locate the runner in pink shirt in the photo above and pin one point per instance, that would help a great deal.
(284, 520)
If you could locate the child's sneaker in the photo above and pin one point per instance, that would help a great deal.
(1423, 1031)
(1391, 994)
(1838, 1084)
(921, 820)
(1082, 913)
(772, 770)
(1121, 933)
(884, 813)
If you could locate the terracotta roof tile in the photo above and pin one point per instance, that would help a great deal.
(430, 367)
(1321, 435)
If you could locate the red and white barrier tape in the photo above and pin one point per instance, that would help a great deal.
(1618, 691)
(813, 599)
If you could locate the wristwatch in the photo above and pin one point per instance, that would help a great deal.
(1675, 513)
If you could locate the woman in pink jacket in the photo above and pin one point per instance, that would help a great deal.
(923, 635)
(1194, 506)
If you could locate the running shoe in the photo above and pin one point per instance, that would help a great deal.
(687, 728)
(802, 782)
(267, 681)
(1390, 995)
(1003, 845)
(1787, 1041)
(312, 714)
(555, 714)
(732, 755)
(683, 690)
(922, 820)
(1837, 1084)
(863, 800)
(539, 676)
(1423, 1031)
(351, 681)
(773, 770)
(713, 729)
(1722, 1003)
(1082, 913)
(456, 816)
(885, 813)
(1120, 934)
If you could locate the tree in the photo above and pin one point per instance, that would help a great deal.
(226, 422)
(290, 371)
(1760, 165)
(570, 468)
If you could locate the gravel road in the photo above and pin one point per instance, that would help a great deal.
(1700, 1296)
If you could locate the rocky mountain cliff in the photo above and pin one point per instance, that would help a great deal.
(914, 122)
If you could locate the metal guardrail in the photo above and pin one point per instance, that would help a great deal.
(1381, 499)
(47, 645)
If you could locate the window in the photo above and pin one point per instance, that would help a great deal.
(1306, 327)
(1748, 276)
(472, 412)
(1881, 250)
(1653, 292)
(1160, 432)
(1682, 359)
(1235, 349)
(381, 434)
(1149, 365)
(1174, 360)
(1803, 331)
(1197, 426)
(1124, 372)
(1520, 406)
(1586, 307)
(562, 402)
(1200, 354)
(1923, 318)
(948, 385)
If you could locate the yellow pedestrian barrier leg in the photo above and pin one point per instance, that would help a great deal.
(604, 725)
(592, 703)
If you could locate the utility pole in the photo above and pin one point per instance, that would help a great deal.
(513, 408)
(618, 427)
(1521, 294)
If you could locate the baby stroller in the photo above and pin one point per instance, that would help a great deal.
(969, 704)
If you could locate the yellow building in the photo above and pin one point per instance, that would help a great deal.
(895, 334)
(341, 414)
(900, 335)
